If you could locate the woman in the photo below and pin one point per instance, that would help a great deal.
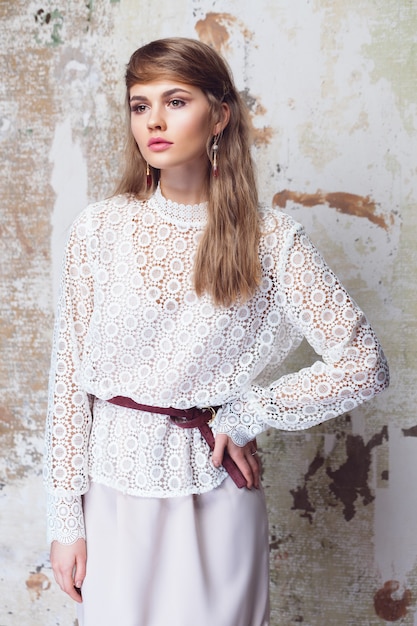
(179, 292)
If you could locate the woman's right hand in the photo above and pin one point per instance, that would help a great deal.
(68, 564)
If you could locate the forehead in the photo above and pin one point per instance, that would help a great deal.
(164, 87)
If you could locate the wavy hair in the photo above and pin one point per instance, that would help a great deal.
(227, 263)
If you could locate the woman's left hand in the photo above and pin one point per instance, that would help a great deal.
(246, 458)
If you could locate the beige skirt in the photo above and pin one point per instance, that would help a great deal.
(197, 560)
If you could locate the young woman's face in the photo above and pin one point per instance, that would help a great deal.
(171, 124)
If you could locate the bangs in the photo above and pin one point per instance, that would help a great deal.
(151, 71)
(185, 61)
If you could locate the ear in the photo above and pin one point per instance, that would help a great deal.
(224, 119)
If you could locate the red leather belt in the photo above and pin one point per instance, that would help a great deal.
(189, 418)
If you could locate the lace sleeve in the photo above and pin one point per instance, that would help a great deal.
(65, 520)
(69, 412)
(353, 367)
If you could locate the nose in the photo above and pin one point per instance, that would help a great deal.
(156, 120)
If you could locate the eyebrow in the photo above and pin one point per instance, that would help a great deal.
(165, 94)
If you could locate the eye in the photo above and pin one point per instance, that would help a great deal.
(176, 103)
(138, 108)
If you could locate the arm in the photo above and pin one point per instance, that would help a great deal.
(352, 368)
(69, 407)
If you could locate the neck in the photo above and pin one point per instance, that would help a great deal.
(188, 187)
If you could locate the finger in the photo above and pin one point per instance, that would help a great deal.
(246, 469)
(220, 445)
(66, 582)
(251, 467)
(254, 464)
(79, 572)
(74, 593)
(239, 457)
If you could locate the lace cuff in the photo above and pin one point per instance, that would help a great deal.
(65, 519)
(240, 419)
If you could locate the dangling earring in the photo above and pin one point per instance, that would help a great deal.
(148, 176)
(215, 147)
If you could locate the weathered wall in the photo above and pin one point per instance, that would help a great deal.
(331, 85)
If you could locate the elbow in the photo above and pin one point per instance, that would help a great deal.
(374, 377)
(385, 367)
(382, 375)
(373, 360)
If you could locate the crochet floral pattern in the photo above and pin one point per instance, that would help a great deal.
(130, 324)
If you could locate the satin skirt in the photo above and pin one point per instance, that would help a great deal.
(198, 560)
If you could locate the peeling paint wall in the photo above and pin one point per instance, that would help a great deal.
(332, 91)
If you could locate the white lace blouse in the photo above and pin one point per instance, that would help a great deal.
(130, 324)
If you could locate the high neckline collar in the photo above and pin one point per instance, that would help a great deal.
(191, 215)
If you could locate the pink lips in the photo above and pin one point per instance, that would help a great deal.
(157, 144)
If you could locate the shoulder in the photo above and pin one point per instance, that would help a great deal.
(282, 237)
(111, 211)
(108, 208)
(274, 222)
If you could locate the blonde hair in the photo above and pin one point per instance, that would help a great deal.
(227, 264)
